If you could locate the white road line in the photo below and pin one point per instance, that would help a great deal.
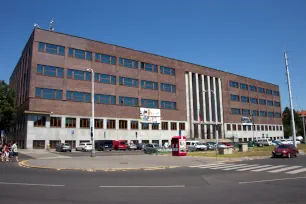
(284, 169)
(205, 165)
(296, 171)
(254, 167)
(174, 186)
(224, 166)
(236, 167)
(212, 166)
(268, 168)
(262, 181)
(32, 184)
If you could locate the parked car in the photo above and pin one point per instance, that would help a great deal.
(104, 145)
(195, 146)
(285, 150)
(140, 146)
(151, 148)
(84, 147)
(275, 142)
(120, 145)
(264, 141)
(227, 144)
(132, 147)
(63, 147)
(285, 141)
(210, 145)
(221, 145)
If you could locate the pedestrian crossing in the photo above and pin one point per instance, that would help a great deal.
(253, 168)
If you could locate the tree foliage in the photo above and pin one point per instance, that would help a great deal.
(287, 123)
(7, 106)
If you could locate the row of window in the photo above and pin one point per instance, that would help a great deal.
(247, 112)
(101, 98)
(103, 78)
(235, 127)
(107, 59)
(243, 86)
(40, 121)
(246, 99)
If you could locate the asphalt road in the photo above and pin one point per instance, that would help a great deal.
(173, 186)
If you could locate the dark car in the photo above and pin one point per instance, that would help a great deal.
(285, 150)
(140, 146)
(63, 147)
(104, 145)
(151, 148)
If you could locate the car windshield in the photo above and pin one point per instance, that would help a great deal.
(122, 143)
(283, 146)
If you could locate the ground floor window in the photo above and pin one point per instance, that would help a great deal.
(71, 143)
(145, 141)
(54, 143)
(84, 141)
(164, 141)
(38, 144)
(155, 141)
(135, 141)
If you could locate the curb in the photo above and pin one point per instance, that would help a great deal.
(23, 164)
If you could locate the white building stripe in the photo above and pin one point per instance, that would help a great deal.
(204, 165)
(236, 167)
(191, 105)
(254, 167)
(204, 100)
(284, 169)
(209, 100)
(297, 171)
(228, 166)
(187, 106)
(221, 107)
(215, 99)
(268, 168)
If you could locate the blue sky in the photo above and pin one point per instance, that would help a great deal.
(240, 36)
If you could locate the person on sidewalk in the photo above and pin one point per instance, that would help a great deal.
(5, 153)
(15, 151)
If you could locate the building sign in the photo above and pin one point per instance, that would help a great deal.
(149, 115)
(247, 120)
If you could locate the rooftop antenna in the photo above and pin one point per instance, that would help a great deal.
(51, 25)
(36, 25)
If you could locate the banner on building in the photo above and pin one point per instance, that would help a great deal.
(247, 120)
(149, 115)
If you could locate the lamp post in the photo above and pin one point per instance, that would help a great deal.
(92, 128)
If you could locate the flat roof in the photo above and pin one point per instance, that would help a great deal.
(155, 55)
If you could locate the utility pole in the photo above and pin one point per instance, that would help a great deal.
(290, 99)
(92, 128)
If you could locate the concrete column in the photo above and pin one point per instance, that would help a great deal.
(198, 103)
(205, 132)
(188, 124)
(63, 124)
(191, 106)
(48, 118)
(129, 124)
(209, 99)
(221, 108)
(204, 99)
(215, 99)
(211, 134)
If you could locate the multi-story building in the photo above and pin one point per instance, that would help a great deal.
(54, 95)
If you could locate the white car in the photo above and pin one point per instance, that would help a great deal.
(84, 147)
(195, 146)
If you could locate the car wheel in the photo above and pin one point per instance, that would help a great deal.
(70, 150)
(289, 155)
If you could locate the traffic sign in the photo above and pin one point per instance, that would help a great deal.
(72, 131)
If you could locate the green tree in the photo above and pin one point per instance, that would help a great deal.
(287, 123)
(7, 106)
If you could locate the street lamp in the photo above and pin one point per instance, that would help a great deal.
(92, 128)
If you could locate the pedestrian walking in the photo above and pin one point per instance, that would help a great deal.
(15, 151)
(5, 153)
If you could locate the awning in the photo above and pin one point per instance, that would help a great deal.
(37, 112)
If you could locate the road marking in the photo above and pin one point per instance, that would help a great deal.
(284, 169)
(296, 171)
(204, 165)
(236, 167)
(225, 166)
(174, 186)
(32, 184)
(268, 168)
(262, 181)
(255, 166)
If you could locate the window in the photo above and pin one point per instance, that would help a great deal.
(79, 54)
(134, 125)
(269, 91)
(78, 75)
(253, 88)
(245, 99)
(122, 124)
(258, 127)
(255, 113)
(234, 84)
(244, 127)
(270, 128)
(270, 114)
(107, 59)
(148, 67)
(128, 101)
(262, 102)
(164, 125)
(173, 126)
(105, 79)
(182, 126)
(70, 122)
(275, 93)
(124, 81)
(155, 126)
(263, 113)
(55, 122)
(148, 103)
(99, 123)
(149, 85)
(277, 115)
(167, 87)
(84, 123)
(254, 100)
(269, 103)
(245, 112)
(261, 90)
(239, 127)
(262, 128)
(38, 144)
(273, 128)
(39, 121)
(168, 105)
(78, 96)
(235, 111)
(234, 127)
(144, 126)
(235, 97)
(244, 86)
(167, 70)
(111, 124)
(276, 103)
(105, 99)
(128, 63)
(52, 94)
(281, 128)
(50, 71)
(51, 49)
(228, 127)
